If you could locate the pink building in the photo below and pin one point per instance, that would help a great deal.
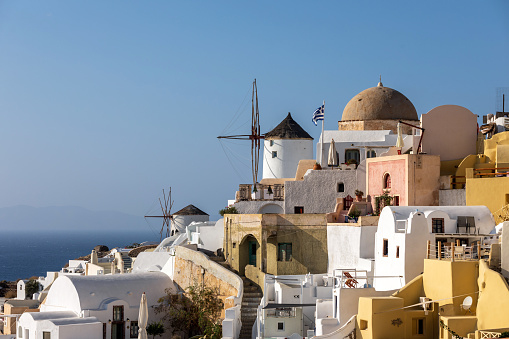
(410, 179)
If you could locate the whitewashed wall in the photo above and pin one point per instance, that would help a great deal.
(289, 153)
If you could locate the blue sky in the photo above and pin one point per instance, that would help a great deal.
(103, 104)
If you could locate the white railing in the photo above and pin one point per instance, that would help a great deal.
(351, 278)
(455, 252)
(486, 334)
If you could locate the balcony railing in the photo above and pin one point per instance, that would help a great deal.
(491, 172)
(285, 312)
(447, 251)
(263, 192)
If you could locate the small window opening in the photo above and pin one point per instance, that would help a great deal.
(341, 187)
(299, 209)
(274, 154)
(386, 248)
(397, 251)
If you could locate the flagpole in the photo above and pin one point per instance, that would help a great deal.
(321, 141)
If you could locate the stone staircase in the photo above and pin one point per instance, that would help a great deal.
(250, 300)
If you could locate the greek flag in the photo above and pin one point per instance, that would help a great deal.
(318, 114)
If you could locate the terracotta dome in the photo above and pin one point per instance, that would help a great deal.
(379, 103)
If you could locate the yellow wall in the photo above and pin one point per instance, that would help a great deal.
(490, 146)
(306, 232)
(411, 291)
(385, 318)
(493, 306)
(462, 325)
(491, 192)
(444, 279)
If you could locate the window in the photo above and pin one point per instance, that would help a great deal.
(418, 325)
(118, 313)
(27, 334)
(20, 331)
(352, 154)
(397, 251)
(387, 181)
(284, 252)
(298, 209)
(386, 248)
(274, 154)
(104, 330)
(46, 335)
(371, 154)
(341, 187)
(280, 326)
(272, 142)
(395, 200)
(134, 329)
(437, 225)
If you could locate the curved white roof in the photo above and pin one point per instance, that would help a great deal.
(483, 218)
(77, 293)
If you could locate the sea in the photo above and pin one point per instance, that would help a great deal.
(24, 254)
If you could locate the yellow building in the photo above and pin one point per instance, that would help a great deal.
(484, 177)
(464, 297)
(279, 244)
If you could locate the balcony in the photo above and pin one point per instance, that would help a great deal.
(262, 192)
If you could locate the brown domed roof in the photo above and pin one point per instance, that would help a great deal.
(379, 103)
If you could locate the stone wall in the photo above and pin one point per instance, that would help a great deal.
(318, 192)
(193, 267)
(456, 197)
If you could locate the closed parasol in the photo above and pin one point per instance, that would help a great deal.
(333, 159)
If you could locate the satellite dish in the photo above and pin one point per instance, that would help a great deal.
(467, 304)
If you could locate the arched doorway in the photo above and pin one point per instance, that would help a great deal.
(249, 253)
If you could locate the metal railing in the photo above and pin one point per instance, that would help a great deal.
(284, 312)
(448, 251)
(491, 172)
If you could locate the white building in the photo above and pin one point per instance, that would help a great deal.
(185, 216)
(403, 232)
(88, 306)
(284, 147)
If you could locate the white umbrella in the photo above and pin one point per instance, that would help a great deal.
(399, 142)
(333, 159)
(143, 318)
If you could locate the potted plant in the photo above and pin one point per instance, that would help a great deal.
(359, 194)
(317, 166)
(354, 214)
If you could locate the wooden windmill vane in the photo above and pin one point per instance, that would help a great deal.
(166, 205)
(255, 135)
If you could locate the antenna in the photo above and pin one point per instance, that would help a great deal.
(467, 304)
(166, 205)
(502, 93)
